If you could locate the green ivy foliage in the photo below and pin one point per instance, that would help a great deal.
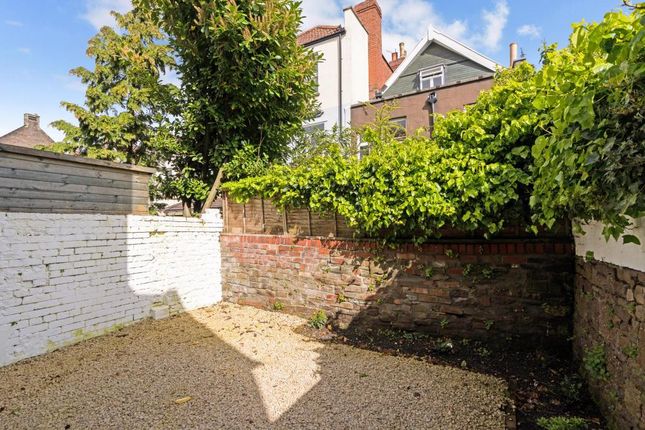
(564, 142)
(590, 161)
(407, 188)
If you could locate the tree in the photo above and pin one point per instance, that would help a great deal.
(128, 109)
(245, 79)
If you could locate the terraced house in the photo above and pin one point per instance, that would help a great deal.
(352, 68)
(441, 74)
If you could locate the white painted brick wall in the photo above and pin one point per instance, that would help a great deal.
(64, 278)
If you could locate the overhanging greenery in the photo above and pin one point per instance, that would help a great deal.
(563, 142)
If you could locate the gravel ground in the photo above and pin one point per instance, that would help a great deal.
(236, 367)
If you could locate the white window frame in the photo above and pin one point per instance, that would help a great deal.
(363, 148)
(431, 74)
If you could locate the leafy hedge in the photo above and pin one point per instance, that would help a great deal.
(589, 162)
(563, 142)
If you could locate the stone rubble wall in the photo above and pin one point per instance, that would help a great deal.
(609, 323)
(490, 290)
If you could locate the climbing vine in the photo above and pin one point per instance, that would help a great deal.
(564, 142)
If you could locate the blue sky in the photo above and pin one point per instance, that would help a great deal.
(41, 40)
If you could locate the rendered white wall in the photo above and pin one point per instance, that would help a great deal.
(355, 73)
(65, 278)
(355, 63)
(612, 251)
(328, 82)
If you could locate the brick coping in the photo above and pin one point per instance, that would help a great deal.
(538, 246)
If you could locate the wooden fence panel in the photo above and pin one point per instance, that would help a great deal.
(298, 222)
(274, 221)
(323, 225)
(259, 216)
(234, 217)
(41, 181)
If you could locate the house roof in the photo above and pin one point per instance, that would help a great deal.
(435, 36)
(394, 64)
(319, 32)
(29, 135)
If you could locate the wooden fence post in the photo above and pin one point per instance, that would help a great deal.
(263, 218)
(335, 224)
(244, 218)
(225, 214)
(285, 222)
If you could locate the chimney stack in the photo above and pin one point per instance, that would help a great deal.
(32, 120)
(402, 51)
(370, 15)
(513, 54)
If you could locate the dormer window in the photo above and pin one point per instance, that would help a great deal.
(431, 78)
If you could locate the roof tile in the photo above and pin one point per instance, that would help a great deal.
(318, 32)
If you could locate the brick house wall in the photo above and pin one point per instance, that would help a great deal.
(491, 290)
(416, 110)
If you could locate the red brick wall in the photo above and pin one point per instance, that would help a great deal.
(610, 312)
(369, 14)
(415, 108)
(472, 289)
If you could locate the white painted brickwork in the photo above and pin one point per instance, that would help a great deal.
(64, 278)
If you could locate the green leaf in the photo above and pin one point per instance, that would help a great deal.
(630, 238)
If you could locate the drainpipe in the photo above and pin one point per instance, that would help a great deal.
(340, 83)
(431, 100)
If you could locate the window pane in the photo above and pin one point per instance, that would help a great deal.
(431, 78)
(310, 128)
(401, 126)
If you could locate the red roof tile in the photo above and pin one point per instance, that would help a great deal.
(318, 32)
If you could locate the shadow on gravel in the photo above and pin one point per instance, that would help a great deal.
(235, 367)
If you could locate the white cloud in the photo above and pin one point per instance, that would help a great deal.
(71, 83)
(97, 12)
(495, 22)
(171, 77)
(530, 30)
(407, 20)
(25, 51)
(12, 23)
(321, 12)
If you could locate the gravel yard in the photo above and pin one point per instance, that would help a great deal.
(237, 367)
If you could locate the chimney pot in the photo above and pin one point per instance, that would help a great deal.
(513, 54)
(395, 56)
(402, 49)
(31, 119)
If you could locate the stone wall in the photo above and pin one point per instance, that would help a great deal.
(64, 277)
(609, 322)
(609, 326)
(486, 289)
